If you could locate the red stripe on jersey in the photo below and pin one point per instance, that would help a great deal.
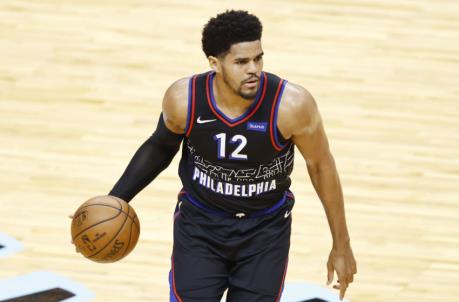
(282, 284)
(173, 283)
(193, 105)
(272, 127)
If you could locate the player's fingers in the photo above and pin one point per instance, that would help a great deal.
(76, 248)
(330, 272)
(351, 278)
(71, 240)
(342, 290)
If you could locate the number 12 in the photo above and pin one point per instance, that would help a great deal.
(221, 141)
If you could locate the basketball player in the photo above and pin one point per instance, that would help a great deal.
(238, 126)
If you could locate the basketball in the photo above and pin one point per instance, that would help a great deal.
(105, 229)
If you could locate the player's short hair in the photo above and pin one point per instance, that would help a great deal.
(228, 28)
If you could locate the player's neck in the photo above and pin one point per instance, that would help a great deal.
(227, 100)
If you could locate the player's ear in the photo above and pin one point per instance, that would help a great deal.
(213, 63)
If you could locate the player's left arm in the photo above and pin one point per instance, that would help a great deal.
(299, 119)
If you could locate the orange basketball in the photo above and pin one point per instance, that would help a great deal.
(105, 229)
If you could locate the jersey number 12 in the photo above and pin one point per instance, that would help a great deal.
(221, 141)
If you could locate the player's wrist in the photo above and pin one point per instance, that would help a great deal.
(341, 245)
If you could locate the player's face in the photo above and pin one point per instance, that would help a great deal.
(241, 68)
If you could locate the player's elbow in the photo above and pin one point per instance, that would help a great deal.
(321, 163)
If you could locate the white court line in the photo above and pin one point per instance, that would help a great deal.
(41, 281)
(10, 245)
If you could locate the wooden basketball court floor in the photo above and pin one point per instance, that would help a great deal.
(81, 84)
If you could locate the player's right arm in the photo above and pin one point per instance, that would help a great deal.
(157, 152)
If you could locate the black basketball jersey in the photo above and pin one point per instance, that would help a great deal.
(235, 165)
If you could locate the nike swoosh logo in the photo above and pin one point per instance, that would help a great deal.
(199, 121)
(287, 213)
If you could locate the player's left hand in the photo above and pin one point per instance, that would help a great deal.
(342, 261)
(71, 241)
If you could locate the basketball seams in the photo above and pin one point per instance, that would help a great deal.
(120, 210)
(99, 204)
(93, 225)
(129, 241)
(114, 236)
(136, 224)
(120, 207)
(129, 209)
(106, 205)
(129, 238)
(118, 200)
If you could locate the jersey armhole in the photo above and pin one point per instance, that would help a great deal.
(277, 139)
(191, 105)
(282, 140)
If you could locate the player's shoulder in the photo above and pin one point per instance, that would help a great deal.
(178, 90)
(298, 102)
(297, 97)
(297, 109)
(294, 96)
(175, 105)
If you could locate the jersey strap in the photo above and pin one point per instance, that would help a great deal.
(273, 118)
(191, 105)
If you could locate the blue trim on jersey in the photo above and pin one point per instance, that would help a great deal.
(255, 102)
(171, 291)
(190, 95)
(276, 138)
(203, 207)
(264, 212)
(271, 209)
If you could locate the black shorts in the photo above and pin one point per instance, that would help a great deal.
(247, 256)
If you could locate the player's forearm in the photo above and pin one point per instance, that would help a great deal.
(144, 167)
(151, 158)
(326, 182)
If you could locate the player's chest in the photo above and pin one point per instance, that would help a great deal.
(249, 142)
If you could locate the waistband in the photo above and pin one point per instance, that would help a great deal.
(240, 215)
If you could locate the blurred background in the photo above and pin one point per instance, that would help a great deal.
(81, 85)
